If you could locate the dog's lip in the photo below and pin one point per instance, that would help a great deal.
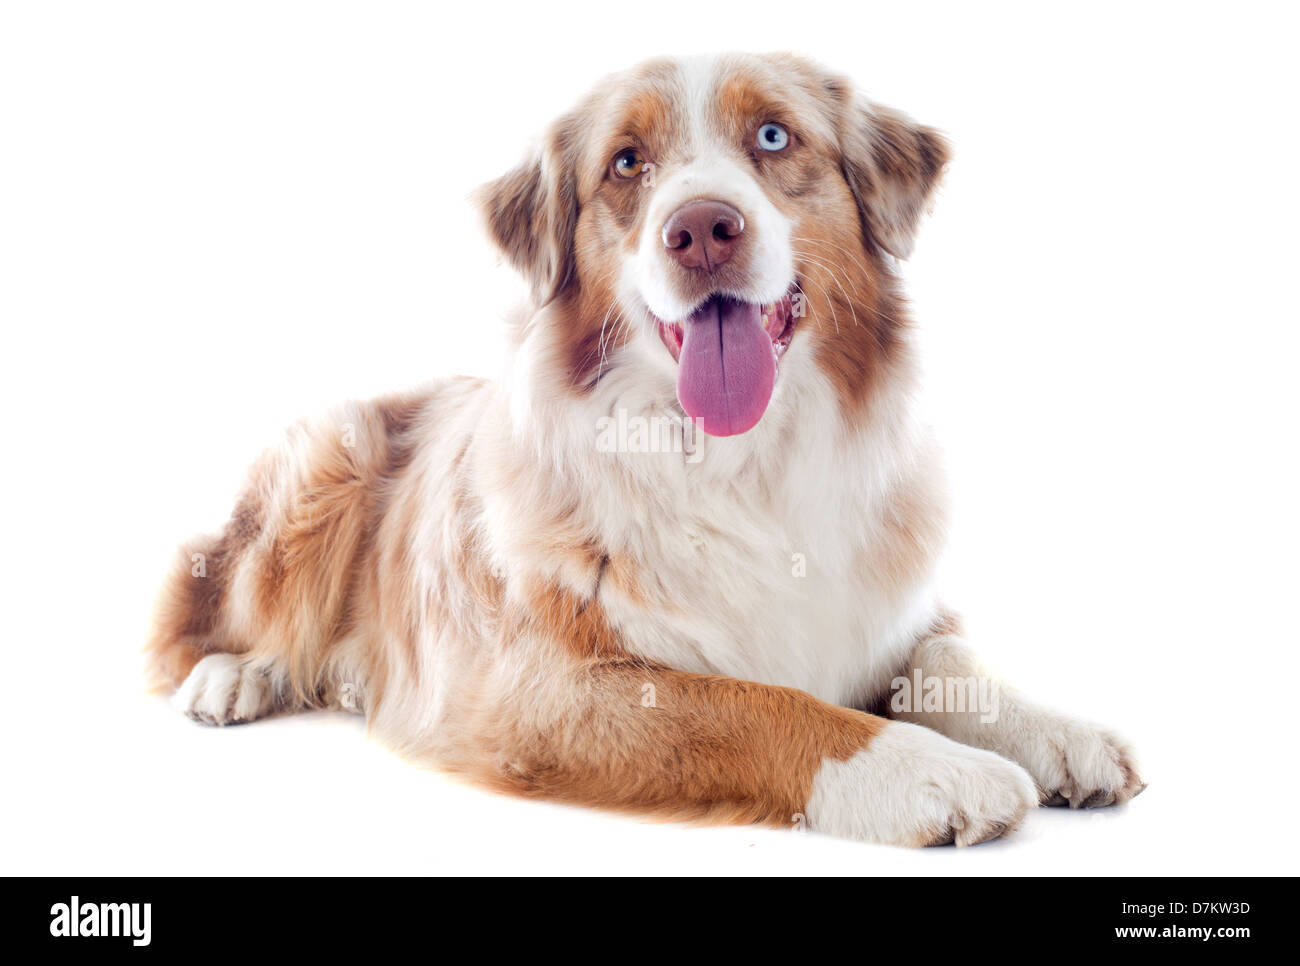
(779, 321)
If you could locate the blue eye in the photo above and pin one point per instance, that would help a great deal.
(773, 137)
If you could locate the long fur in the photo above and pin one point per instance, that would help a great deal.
(695, 633)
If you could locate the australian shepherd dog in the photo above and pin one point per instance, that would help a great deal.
(679, 561)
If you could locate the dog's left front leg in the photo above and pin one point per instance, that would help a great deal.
(1073, 762)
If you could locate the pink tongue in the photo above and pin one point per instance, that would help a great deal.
(726, 368)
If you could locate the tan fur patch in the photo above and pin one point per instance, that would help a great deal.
(189, 617)
(687, 746)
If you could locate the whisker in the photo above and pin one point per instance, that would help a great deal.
(855, 258)
(830, 271)
(829, 302)
(835, 277)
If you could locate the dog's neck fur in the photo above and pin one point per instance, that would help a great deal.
(810, 483)
(809, 428)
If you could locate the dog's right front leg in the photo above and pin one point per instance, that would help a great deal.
(624, 735)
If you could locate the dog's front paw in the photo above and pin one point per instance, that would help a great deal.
(1076, 763)
(223, 689)
(912, 786)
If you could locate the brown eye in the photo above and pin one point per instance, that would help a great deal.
(629, 163)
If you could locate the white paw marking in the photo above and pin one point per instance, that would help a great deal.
(911, 786)
(1076, 763)
(222, 689)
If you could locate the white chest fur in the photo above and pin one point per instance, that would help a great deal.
(771, 597)
(767, 567)
(771, 556)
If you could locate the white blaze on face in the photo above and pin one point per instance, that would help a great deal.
(718, 170)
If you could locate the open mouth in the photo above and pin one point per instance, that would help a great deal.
(727, 352)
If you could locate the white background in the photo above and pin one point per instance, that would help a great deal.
(217, 218)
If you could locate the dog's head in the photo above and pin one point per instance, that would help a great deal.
(719, 216)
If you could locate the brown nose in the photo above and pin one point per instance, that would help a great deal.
(703, 234)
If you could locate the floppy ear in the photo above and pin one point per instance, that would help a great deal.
(892, 166)
(531, 213)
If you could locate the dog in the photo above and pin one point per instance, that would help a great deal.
(523, 583)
